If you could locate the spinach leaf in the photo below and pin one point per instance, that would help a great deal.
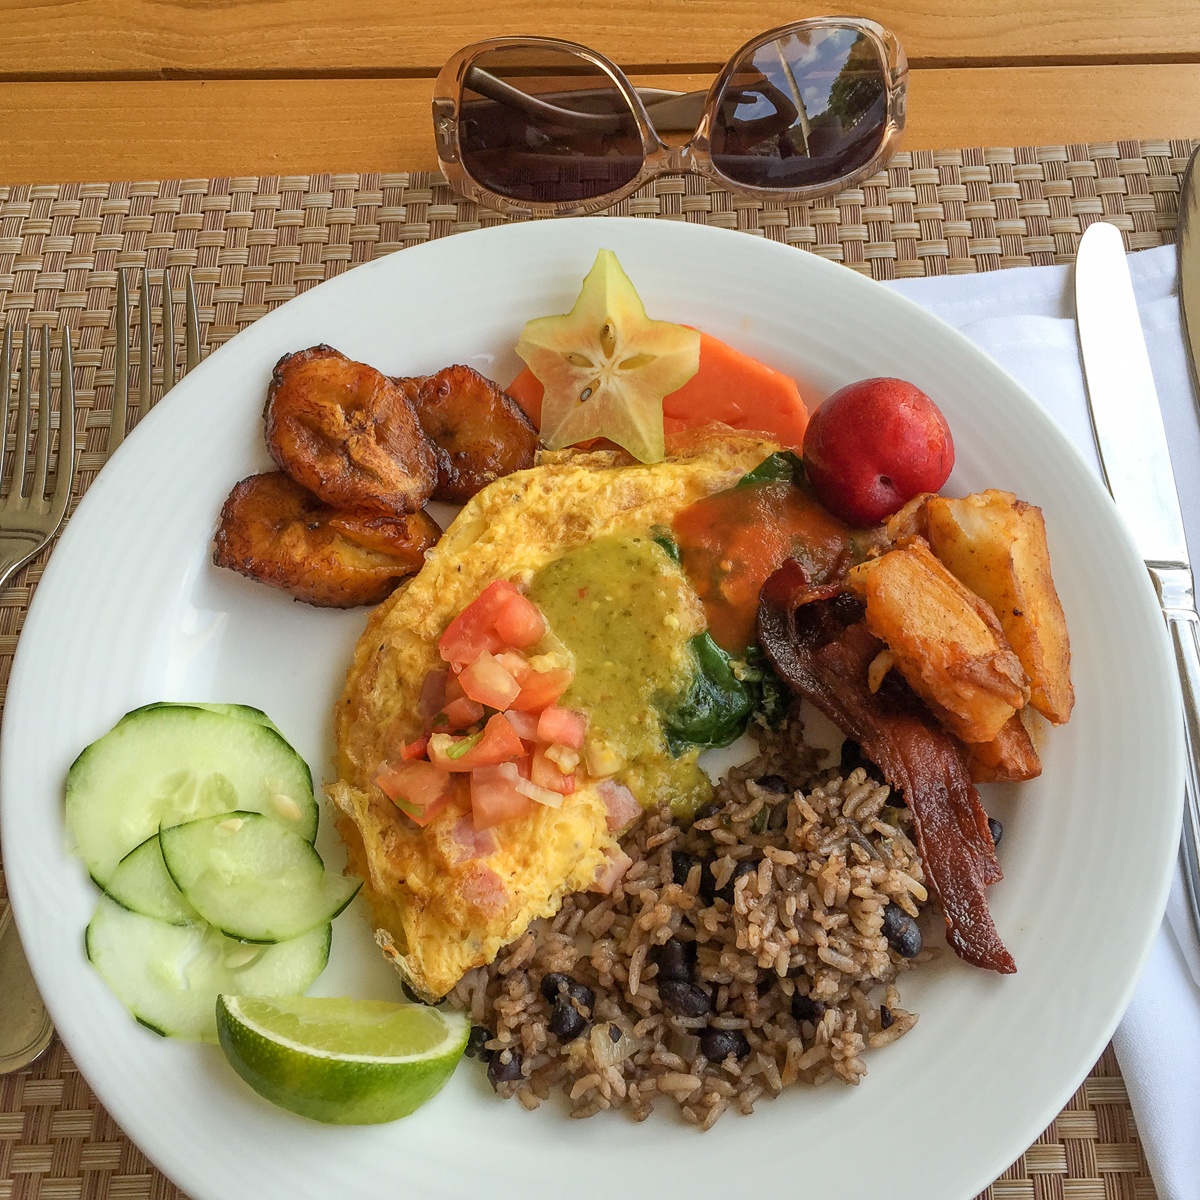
(716, 708)
(770, 693)
(662, 536)
(786, 466)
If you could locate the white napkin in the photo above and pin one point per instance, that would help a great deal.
(1025, 319)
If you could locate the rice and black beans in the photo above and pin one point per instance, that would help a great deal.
(753, 949)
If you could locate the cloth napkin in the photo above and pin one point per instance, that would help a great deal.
(1025, 319)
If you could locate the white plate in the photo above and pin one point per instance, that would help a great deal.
(130, 611)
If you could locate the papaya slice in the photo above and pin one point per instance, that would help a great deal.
(605, 366)
(730, 388)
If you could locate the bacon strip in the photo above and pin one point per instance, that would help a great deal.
(823, 650)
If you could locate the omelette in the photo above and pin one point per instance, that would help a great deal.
(577, 534)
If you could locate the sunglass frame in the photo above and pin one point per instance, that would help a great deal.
(657, 157)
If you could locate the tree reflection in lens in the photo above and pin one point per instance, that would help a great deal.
(802, 110)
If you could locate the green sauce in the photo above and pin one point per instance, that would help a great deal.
(627, 613)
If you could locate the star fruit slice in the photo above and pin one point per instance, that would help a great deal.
(605, 366)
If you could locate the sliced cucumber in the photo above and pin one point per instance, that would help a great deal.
(169, 763)
(253, 879)
(169, 976)
(142, 884)
(244, 711)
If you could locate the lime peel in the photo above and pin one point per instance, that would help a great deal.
(340, 1061)
(605, 367)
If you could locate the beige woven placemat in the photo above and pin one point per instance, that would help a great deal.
(255, 242)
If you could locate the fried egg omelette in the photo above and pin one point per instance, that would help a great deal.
(439, 909)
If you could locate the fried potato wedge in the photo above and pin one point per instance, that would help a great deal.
(1010, 757)
(946, 642)
(348, 433)
(274, 531)
(478, 430)
(996, 545)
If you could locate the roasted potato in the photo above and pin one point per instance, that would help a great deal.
(1010, 757)
(947, 642)
(996, 545)
(348, 434)
(478, 430)
(274, 531)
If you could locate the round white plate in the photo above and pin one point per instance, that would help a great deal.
(131, 610)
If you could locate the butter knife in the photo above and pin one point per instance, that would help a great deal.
(1187, 235)
(1133, 450)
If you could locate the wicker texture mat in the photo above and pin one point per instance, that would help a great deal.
(255, 242)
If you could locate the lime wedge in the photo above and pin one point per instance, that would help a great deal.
(343, 1062)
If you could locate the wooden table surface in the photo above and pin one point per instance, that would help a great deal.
(150, 89)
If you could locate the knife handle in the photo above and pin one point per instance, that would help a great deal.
(1185, 637)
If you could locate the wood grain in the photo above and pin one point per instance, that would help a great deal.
(213, 38)
(160, 130)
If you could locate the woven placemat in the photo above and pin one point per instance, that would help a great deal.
(255, 242)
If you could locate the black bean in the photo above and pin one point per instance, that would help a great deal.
(706, 810)
(718, 1044)
(566, 1021)
(901, 931)
(681, 866)
(559, 983)
(614, 1033)
(745, 867)
(885, 1017)
(675, 961)
(504, 1067)
(805, 1008)
(775, 784)
(410, 994)
(996, 829)
(853, 757)
(708, 885)
(686, 999)
(475, 1042)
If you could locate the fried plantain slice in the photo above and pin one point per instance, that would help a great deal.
(348, 433)
(478, 430)
(276, 532)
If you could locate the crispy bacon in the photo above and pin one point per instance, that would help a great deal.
(823, 650)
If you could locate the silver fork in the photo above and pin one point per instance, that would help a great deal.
(145, 347)
(29, 517)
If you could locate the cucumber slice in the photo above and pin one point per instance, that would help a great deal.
(169, 976)
(253, 879)
(244, 711)
(142, 884)
(169, 763)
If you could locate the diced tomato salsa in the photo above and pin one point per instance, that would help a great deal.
(492, 719)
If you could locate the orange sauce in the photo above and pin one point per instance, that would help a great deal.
(731, 542)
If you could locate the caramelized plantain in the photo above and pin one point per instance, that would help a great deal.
(478, 430)
(348, 433)
(276, 532)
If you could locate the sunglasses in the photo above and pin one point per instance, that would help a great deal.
(544, 127)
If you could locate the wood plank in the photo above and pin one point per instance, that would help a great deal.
(215, 38)
(153, 130)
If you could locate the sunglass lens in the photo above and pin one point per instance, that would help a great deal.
(546, 126)
(802, 110)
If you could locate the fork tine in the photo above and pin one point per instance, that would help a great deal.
(168, 331)
(192, 321)
(64, 476)
(120, 404)
(145, 349)
(42, 453)
(5, 390)
(21, 444)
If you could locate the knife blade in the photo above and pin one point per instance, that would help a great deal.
(1132, 442)
(1187, 235)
